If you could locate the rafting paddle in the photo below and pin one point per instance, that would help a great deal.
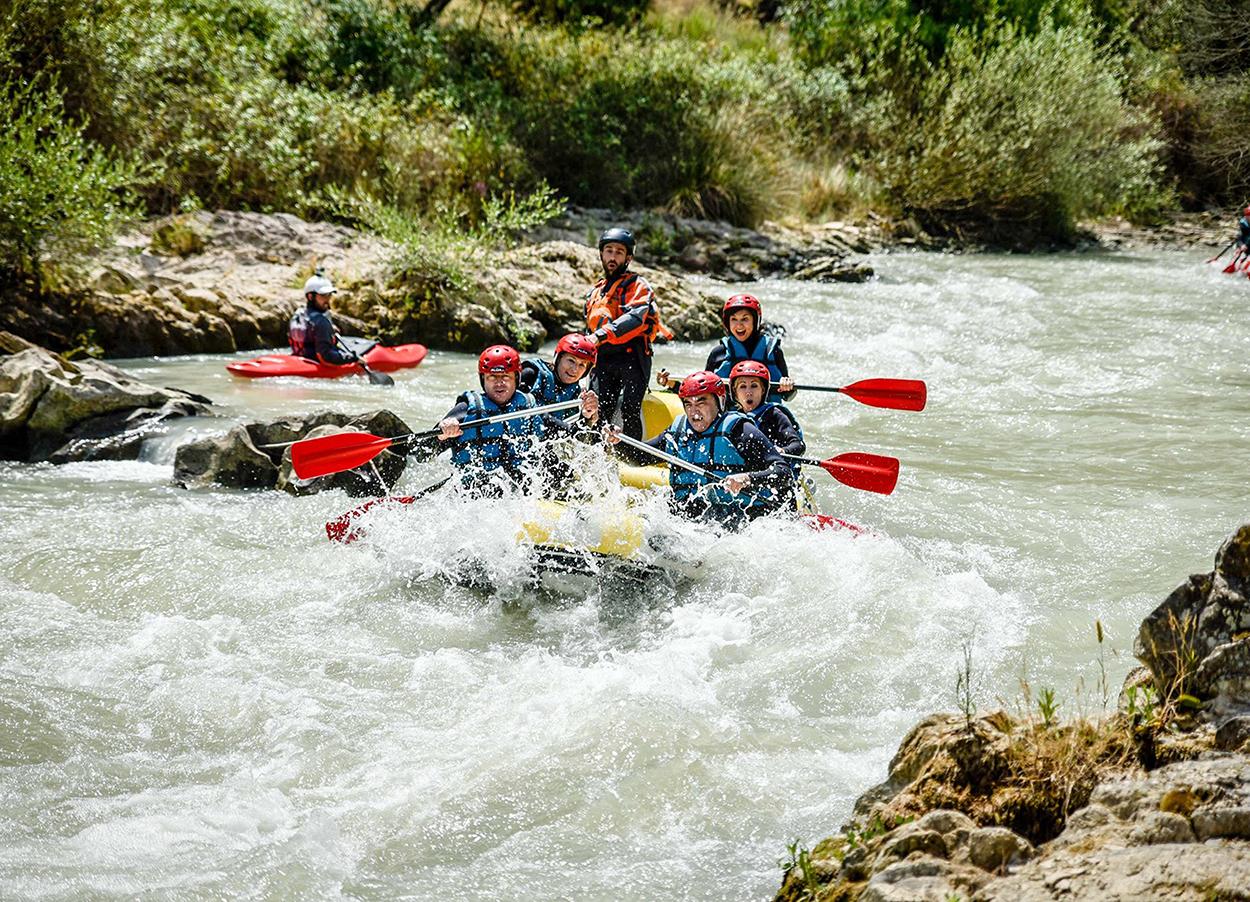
(375, 377)
(896, 394)
(1223, 252)
(315, 457)
(870, 472)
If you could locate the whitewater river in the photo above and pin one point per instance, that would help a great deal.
(202, 697)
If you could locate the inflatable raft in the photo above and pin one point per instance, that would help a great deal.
(378, 358)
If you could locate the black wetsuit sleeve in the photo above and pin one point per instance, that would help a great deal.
(529, 376)
(763, 462)
(716, 358)
(424, 449)
(784, 433)
(327, 348)
(779, 357)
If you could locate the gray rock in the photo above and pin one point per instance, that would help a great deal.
(923, 879)
(1233, 734)
(994, 848)
(1212, 821)
(52, 408)
(1192, 872)
(1159, 828)
(944, 821)
(1205, 620)
(230, 460)
(908, 839)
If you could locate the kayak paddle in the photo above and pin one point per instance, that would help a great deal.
(1232, 267)
(896, 394)
(870, 472)
(374, 377)
(315, 457)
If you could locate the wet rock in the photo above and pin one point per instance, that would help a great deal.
(230, 460)
(836, 270)
(235, 460)
(55, 409)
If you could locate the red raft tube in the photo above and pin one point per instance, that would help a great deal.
(378, 358)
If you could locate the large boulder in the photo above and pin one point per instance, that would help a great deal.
(1198, 640)
(258, 455)
(60, 410)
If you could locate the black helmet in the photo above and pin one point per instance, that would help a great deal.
(618, 236)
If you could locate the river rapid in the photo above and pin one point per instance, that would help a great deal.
(202, 697)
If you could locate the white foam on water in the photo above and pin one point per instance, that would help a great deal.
(203, 696)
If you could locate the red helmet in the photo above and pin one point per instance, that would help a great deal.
(702, 383)
(499, 359)
(751, 368)
(579, 346)
(1246, 211)
(742, 302)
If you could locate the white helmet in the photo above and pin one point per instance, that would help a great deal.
(319, 284)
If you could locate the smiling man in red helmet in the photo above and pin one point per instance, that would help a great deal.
(748, 477)
(496, 457)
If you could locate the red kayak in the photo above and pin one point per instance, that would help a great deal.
(378, 358)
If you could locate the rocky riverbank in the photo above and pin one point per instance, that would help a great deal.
(227, 281)
(1151, 802)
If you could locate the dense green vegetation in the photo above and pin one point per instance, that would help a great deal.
(987, 118)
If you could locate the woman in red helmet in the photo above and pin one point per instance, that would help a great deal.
(497, 456)
(561, 379)
(742, 317)
(748, 387)
(750, 478)
(1243, 232)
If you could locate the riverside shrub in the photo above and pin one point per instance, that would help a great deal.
(1013, 136)
(58, 192)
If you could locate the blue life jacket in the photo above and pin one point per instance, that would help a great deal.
(765, 352)
(758, 416)
(712, 450)
(547, 387)
(495, 445)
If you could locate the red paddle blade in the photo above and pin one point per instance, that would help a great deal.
(335, 453)
(870, 472)
(897, 394)
(1232, 267)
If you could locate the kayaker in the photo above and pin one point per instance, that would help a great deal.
(742, 317)
(561, 379)
(312, 333)
(493, 458)
(623, 321)
(752, 480)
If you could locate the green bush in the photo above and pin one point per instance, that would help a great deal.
(58, 193)
(1015, 136)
